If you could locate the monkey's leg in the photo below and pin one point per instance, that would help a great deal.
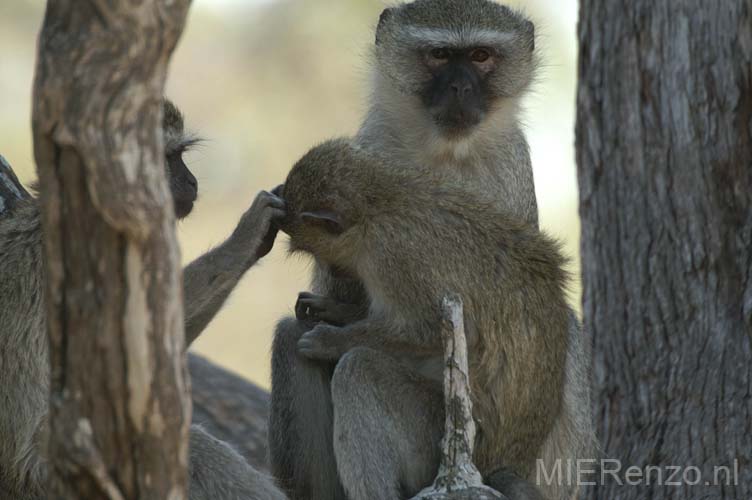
(300, 420)
(388, 425)
(217, 472)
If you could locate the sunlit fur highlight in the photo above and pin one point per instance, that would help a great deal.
(464, 37)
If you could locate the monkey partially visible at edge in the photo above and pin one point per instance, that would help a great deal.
(217, 472)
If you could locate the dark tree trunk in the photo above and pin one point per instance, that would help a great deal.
(119, 410)
(664, 151)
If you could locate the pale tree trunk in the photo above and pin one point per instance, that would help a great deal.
(228, 406)
(664, 151)
(119, 410)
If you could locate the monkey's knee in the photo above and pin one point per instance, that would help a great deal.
(285, 359)
(377, 401)
(356, 380)
(357, 366)
(365, 463)
(290, 370)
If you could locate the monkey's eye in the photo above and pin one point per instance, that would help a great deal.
(480, 55)
(440, 54)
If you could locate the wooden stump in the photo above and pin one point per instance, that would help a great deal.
(458, 478)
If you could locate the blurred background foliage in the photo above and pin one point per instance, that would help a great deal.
(263, 81)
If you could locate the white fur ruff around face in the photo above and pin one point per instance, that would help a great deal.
(459, 38)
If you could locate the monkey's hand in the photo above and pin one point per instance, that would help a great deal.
(312, 308)
(258, 227)
(323, 343)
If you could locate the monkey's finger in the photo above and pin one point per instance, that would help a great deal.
(301, 311)
(331, 315)
(277, 203)
(277, 191)
(314, 304)
(277, 213)
(269, 200)
(311, 348)
(267, 242)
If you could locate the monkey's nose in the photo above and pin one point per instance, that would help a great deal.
(461, 89)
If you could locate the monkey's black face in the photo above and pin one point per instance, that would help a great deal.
(183, 184)
(457, 96)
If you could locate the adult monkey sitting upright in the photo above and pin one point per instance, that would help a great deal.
(217, 471)
(448, 79)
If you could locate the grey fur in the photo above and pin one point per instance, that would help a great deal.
(411, 237)
(301, 402)
(493, 159)
(217, 472)
(24, 364)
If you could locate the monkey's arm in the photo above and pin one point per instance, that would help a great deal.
(328, 342)
(208, 280)
(338, 298)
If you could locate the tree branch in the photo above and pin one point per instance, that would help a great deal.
(458, 478)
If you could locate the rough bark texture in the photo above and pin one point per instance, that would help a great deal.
(228, 406)
(458, 477)
(664, 151)
(119, 411)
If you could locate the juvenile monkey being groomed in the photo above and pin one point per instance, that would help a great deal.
(410, 239)
(448, 77)
(217, 471)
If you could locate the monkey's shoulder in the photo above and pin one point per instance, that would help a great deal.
(23, 222)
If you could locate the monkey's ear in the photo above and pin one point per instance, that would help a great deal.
(383, 18)
(329, 221)
(530, 30)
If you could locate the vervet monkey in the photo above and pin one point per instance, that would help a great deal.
(412, 238)
(448, 78)
(216, 470)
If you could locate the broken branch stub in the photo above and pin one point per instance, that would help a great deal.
(458, 478)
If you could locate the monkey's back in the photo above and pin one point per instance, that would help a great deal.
(23, 349)
(435, 241)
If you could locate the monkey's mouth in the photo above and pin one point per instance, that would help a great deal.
(457, 120)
